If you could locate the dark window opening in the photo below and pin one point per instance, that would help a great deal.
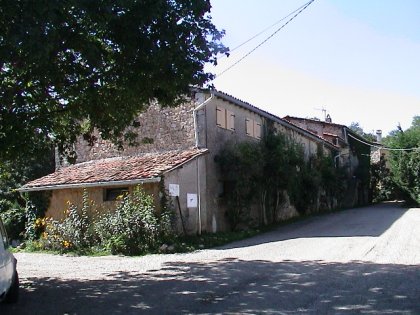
(228, 187)
(112, 194)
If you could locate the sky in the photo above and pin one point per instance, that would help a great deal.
(357, 59)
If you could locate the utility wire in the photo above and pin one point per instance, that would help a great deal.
(262, 32)
(382, 148)
(267, 39)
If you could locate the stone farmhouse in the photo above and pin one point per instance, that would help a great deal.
(354, 154)
(176, 154)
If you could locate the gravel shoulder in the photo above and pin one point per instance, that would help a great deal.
(364, 260)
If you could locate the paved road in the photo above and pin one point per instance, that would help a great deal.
(360, 261)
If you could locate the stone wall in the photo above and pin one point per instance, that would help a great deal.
(317, 126)
(161, 129)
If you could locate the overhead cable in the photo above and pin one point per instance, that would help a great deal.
(267, 39)
(381, 147)
(263, 31)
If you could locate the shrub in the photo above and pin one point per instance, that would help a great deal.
(135, 227)
(74, 233)
(14, 221)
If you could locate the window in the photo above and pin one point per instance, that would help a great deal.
(253, 128)
(257, 130)
(230, 120)
(112, 194)
(249, 127)
(221, 117)
(225, 119)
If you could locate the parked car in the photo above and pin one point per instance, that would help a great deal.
(9, 279)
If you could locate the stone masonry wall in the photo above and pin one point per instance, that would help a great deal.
(161, 129)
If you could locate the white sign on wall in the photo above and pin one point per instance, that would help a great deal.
(173, 190)
(192, 201)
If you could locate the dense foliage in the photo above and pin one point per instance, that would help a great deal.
(133, 228)
(405, 165)
(383, 187)
(67, 67)
(355, 126)
(14, 174)
(264, 172)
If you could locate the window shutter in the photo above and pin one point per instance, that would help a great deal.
(221, 117)
(230, 120)
(257, 130)
(249, 127)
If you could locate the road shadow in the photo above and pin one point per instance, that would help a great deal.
(231, 286)
(370, 221)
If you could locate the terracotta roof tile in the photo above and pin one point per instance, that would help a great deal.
(139, 167)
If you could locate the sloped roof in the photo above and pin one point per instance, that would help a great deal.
(288, 118)
(115, 171)
(272, 117)
(348, 130)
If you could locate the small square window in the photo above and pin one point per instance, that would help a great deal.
(112, 194)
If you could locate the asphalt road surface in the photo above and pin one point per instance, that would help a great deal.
(359, 261)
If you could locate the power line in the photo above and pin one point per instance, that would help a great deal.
(262, 32)
(267, 39)
(382, 148)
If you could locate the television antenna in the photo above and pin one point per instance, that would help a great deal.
(323, 110)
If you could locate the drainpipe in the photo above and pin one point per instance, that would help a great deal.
(195, 113)
(198, 194)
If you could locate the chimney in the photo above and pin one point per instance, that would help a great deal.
(379, 136)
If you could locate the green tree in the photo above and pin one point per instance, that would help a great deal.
(68, 67)
(405, 165)
(15, 174)
(382, 183)
(355, 126)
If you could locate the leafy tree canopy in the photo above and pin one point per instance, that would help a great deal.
(405, 165)
(68, 67)
(355, 126)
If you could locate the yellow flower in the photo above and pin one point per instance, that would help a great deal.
(66, 244)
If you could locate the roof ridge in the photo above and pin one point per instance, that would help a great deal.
(141, 154)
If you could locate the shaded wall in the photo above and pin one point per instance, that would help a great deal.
(62, 198)
(216, 138)
(191, 181)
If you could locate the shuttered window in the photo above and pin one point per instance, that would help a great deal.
(230, 120)
(249, 127)
(225, 119)
(257, 130)
(221, 117)
(253, 128)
